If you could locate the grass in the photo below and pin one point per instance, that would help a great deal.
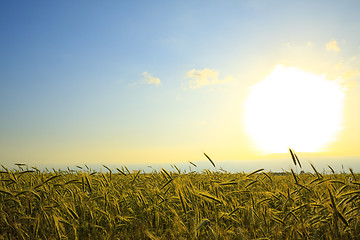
(119, 204)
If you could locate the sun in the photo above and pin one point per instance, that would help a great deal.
(294, 108)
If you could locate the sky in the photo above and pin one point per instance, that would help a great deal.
(162, 82)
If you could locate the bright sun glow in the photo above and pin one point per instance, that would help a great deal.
(293, 108)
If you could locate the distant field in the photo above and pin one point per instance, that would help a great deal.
(119, 204)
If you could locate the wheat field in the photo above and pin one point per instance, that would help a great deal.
(120, 204)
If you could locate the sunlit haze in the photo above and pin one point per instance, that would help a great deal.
(156, 83)
(292, 108)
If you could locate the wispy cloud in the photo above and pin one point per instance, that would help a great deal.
(351, 73)
(150, 79)
(205, 77)
(348, 69)
(332, 46)
(287, 45)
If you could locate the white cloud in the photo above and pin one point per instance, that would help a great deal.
(332, 46)
(205, 77)
(150, 79)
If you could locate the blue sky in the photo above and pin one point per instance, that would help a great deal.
(111, 81)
